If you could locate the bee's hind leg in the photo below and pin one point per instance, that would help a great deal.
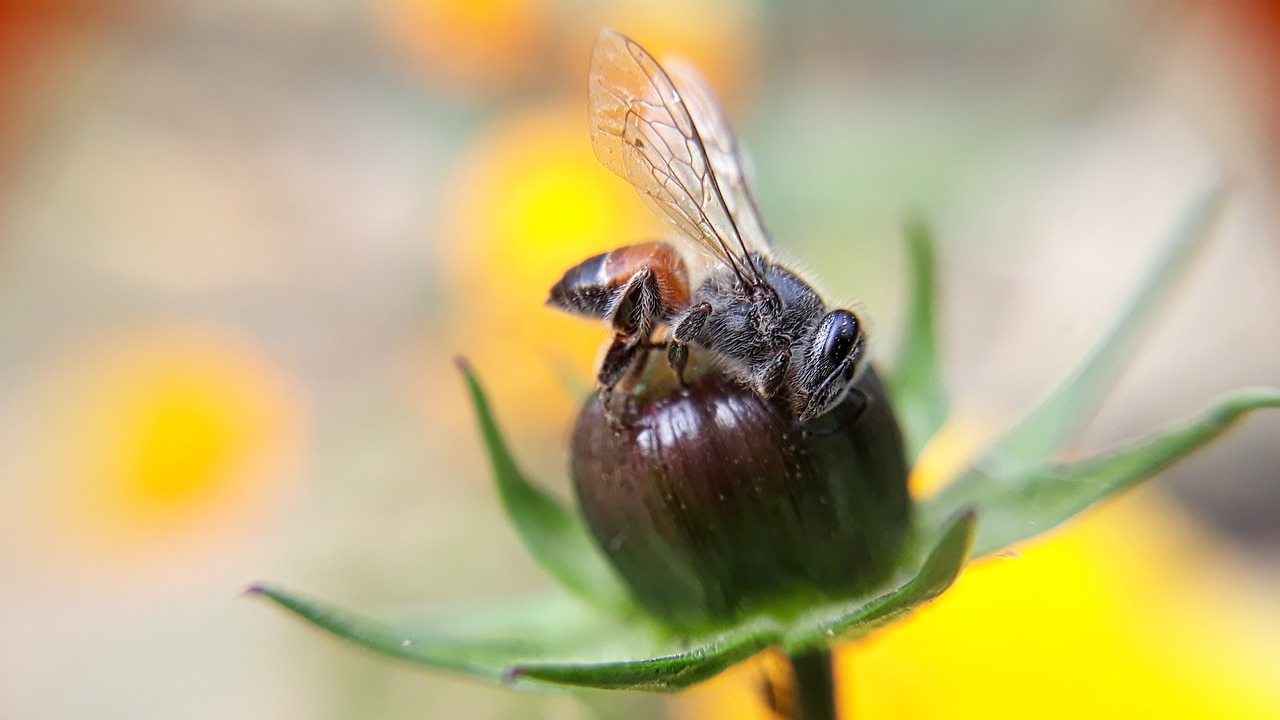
(638, 304)
(618, 357)
(632, 315)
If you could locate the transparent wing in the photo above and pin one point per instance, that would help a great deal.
(727, 156)
(641, 129)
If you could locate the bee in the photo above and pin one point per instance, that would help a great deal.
(662, 130)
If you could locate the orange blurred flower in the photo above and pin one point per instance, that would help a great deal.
(39, 44)
(721, 38)
(469, 46)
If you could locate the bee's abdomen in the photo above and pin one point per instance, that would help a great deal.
(589, 287)
(584, 289)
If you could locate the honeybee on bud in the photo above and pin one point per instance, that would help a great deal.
(662, 130)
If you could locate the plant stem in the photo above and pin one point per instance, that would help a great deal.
(815, 685)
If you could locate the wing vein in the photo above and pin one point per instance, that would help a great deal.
(653, 132)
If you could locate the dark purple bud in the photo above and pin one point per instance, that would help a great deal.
(714, 502)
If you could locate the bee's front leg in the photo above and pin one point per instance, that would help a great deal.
(685, 331)
(857, 401)
(769, 380)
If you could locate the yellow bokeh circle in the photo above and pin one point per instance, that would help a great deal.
(531, 201)
(155, 440)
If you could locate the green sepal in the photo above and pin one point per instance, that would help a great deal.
(1043, 431)
(1018, 508)
(916, 384)
(549, 639)
(553, 534)
(487, 640)
(441, 653)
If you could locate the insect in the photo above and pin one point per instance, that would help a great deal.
(662, 131)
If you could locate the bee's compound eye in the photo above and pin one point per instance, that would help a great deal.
(839, 334)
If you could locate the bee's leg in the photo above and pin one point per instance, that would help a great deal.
(632, 315)
(677, 357)
(857, 400)
(640, 361)
(769, 381)
(619, 356)
(685, 331)
(638, 303)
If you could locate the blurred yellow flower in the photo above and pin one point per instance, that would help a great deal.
(531, 201)
(470, 46)
(154, 441)
(1120, 616)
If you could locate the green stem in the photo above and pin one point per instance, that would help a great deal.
(815, 685)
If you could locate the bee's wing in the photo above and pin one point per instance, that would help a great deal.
(642, 130)
(728, 158)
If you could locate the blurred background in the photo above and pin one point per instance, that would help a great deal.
(241, 242)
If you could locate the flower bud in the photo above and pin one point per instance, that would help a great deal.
(714, 502)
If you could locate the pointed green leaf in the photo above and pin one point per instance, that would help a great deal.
(1047, 427)
(1015, 509)
(936, 573)
(554, 535)
(427, 649)
(919, 395)
(485, 640)
(696, 662)
(550, 639)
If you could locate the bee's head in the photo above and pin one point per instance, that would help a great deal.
(832, 362)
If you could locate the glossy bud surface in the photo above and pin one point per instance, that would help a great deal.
(714, 503)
